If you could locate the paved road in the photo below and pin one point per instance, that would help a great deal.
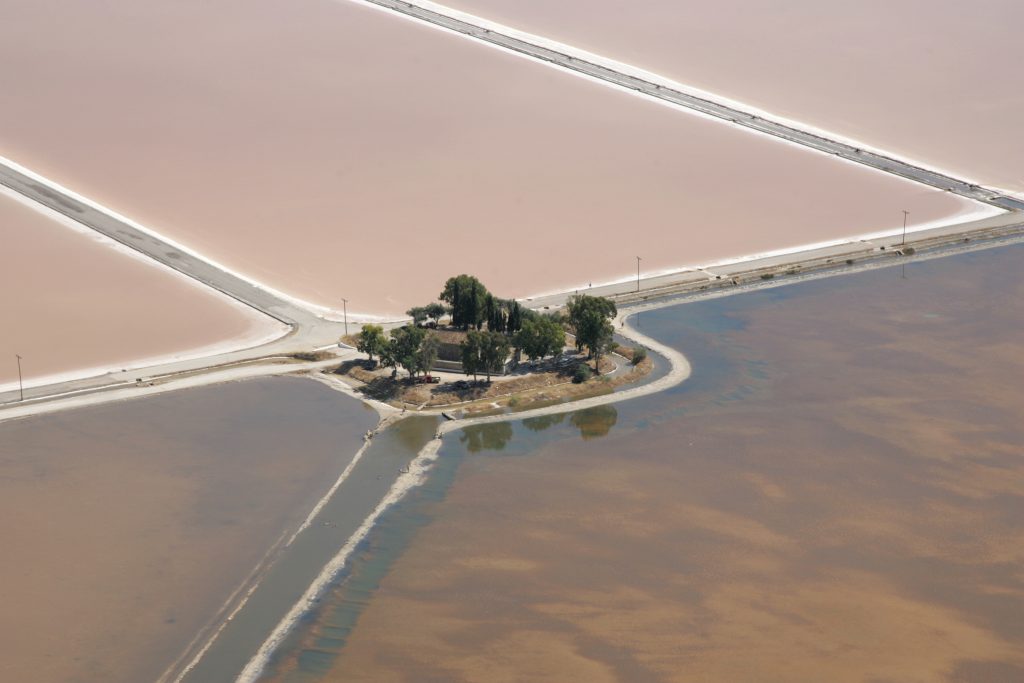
(582, 62)
(310, 331)
(120, 230)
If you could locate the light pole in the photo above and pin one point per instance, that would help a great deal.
(905, 214)
(344, 304)
(21, 384)
(638, 273)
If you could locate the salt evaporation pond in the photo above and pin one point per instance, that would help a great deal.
(332, 150)
(932, 81)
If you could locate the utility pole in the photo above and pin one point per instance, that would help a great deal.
(344, 303)
(638, 273)
(905, 214)
(21, 384)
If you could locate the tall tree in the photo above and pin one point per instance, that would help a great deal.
(471, 348)
(466, 296)
(494, 350)
(453, 295)
(590, 317)
(405, 347)
(491, 306)
(429, 349)
(387, 357)
(515, 317)
(475, 304)
(371, 340)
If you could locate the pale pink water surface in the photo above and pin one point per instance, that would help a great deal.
(333, 150)
(74, 304)
(935, 81)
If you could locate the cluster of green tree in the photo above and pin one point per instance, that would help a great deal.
(411, 348)
(433, 312)
(484, 352)
(590, 318)
(509, 325)
(472, 306)
(540, 337)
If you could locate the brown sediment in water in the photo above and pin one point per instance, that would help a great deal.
(932, 81)
(126, 527)
(332, 150)
(846, 504)
(75, 303)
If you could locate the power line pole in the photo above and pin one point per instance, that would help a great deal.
(638, 273)
(905, 214)
(344, 303)
(21, 384)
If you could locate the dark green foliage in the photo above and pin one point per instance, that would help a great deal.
(467, 300)
(387, 357)
(515, 317)
(539, 338)
(639, 355)
(404, 349)
(494, 351)
(590, 318)
(494, 312)
(471, 363)
(474, 304)
(435, 311)
(429, 349)
(484, 352)
(418, 315)
(371, 340)
(582, 373)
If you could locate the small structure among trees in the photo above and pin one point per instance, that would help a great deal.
(508, 325)
(485, 352)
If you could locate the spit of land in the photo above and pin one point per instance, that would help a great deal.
(835, 493)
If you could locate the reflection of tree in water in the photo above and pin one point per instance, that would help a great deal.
(414, 432)
(490, 437)
(539, 424)
(594, 423)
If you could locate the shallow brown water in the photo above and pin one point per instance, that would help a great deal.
(935, 81)
(837, 494)
(73, 303)
(127, 526)
(332, 150)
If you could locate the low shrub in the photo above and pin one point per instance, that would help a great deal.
(312, 355)
(639, 355)
(582, 373)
